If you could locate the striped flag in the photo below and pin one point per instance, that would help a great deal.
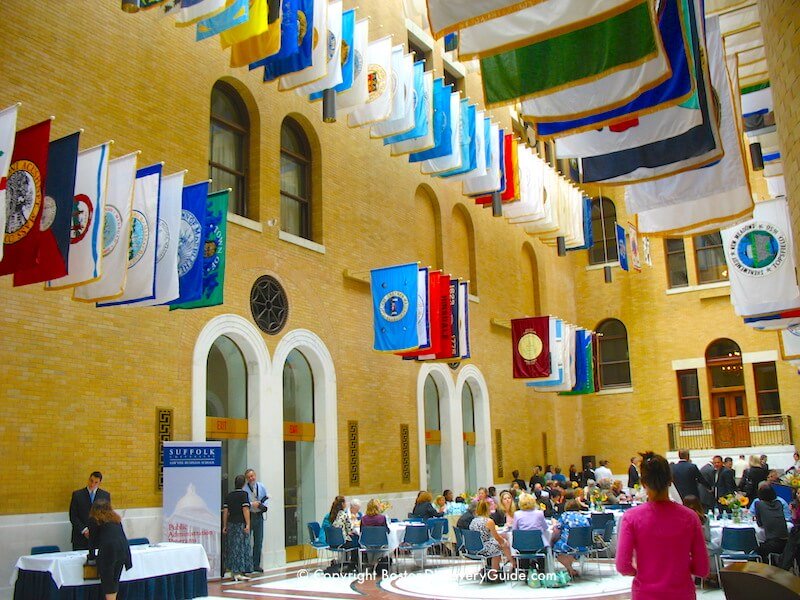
(192, 11)
(235, 13)
(262, 45)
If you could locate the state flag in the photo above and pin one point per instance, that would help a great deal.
(27, 175)
(116, 232)
(333, 56)
(438, 297)
(86, 224)
(421, 137)
(394, 304)
(316, 70)
(346, 55)
(459, 115)
(463, 321)
(378, 105)
(477, 150)
(401, 119)
(622, 246)
(530, 343)
(357, 94)
(235, 13)
(53, 253)
(441, 124)
(190, 255)
(192, 11)
(490, 181)
(8, 127)
(256, 23)
(262, 45)
(295, 52)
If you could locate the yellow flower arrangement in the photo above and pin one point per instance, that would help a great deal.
(542, 506)
(384, 505)
(574, 484)
(791, 479)
(734, 501)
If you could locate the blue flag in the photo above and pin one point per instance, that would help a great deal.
(583, 359)
(420, 109)
(348, 30)
(588, 237)
(235, 14)
(469, 150)
(190, 243)
(442, 128)
(622, 247)
(298, 37)
(394, 307)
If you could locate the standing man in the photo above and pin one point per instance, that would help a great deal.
(739, 465)
(257, 494)
(686, 476)
(603, 472)
(588, 473)
(537, 477)
(723, 481)
(633, 471)
(707, 491)
(79, 507)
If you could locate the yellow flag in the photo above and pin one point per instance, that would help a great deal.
(256, 24)
(267, 43)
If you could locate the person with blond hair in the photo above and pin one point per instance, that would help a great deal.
(374, 518)
(107, 537)
(424, 509)
(504, 515)
(494, 545)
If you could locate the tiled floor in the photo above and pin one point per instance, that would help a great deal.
(451, 581)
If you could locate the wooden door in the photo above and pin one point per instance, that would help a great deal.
(731, 424)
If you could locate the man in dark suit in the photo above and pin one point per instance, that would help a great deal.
(686, 476)
(79, 507)
(724, 482)
(633, 471)
(707, 491)
(588, 473)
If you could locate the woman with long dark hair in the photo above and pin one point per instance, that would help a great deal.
(663, 539)
(107, 537)
(236, 524)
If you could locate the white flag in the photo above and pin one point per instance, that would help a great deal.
(531, 187)
(423, 142)
(760, 258)
(378, 105)
(319, 52)
(8, 131)
(197, 11)
(86, 234)
(357, 93)
(446, 16)
(333, 48)
(490, 182)
(401, 119)
(169, 228)
(116, 232)
(452, 160)
(140, 284)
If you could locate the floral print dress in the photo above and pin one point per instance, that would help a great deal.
(569, 519)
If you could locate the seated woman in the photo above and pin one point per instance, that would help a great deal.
(440, 504)
(374, 518)
(355, 513)
(770, 516)
(569, 519)
(494, 546)
(530, 517)
(424, 509)
(619, 491)
(504, 515)
(693, 502)
(483, 494)
(339, 517)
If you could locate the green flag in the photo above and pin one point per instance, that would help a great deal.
(621, 41)
(213, 252)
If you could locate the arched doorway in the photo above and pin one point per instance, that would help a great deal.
(728, 399)
(468, 424)
(433, 435)
(471, 381)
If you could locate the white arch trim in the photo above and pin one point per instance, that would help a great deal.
(470, 374)
(326, 449)
(450, 423)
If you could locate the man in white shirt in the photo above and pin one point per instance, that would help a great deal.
(739, 465)
(257, 494)
(603, 472)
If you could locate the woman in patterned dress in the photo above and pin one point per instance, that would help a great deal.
(569, 519)
(494, 546)
(236, 524)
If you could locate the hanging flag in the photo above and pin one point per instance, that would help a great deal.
(438, 297)
(53, 254)
(588, 236)
(564, 357)
(790, 344)
(27, 174)
(491, 180)
(422, 136)
(86, 222)
(532, 191)
(622, 246)
(584, 377)
(116, 232)
(333, 45)
(192, 11)
(8, 127)
(214, 251)
(784, 319)
(636, 260)
(646, 251)
(260, 46)
(509, 181)
(235, 13)
(357, 93)
(423, 314)
(467, 143)
(190, 261)
(441, 124)
(169, 227)
(463, 320)
(556, 354)
(530, 342)
(532, 22)
(621, 44)
(459, 115)
(257, 23)
(317, 29)
(401, 119)
(378, 105)
(679, 87)
(760, 258)
(295, 51)
(445, 348)
(446, 16)
(140, 281)
(474, 163)
(346, 55)
(394, 290)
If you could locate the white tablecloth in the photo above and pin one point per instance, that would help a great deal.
(397, 532)
(717, 525)
(66, 568)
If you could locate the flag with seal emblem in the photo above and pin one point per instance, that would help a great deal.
(86, 228)
(214, 250)
(190, 255)
(53, 253)
(530, 341)
(317, 28)
(27, 174)
(622, 246)
(378, 105)
(8, 128)
(356, 94)
(346, 55)
(441, 124)
(333, 53)
(421, 137)
(394, 307)
(401, 119)
(141, 283)
(116, 232)
(295, 52)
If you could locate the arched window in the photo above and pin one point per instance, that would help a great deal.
(295, 180)
(604, 216)
(427, 227)
(468, 423)
(613, 360)
(299, 434)
(230, 139)
(463, 248)
(531, 295)
(433, 435)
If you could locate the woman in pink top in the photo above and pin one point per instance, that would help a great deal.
(660, 542)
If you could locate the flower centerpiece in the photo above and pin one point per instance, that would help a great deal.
(791, 479)
(597, 498)
(383, 505)
(735, 502)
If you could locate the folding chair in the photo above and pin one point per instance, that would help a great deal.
(472, 544)
(528, 544)
(436, 527)
(738, 543)
(599, 522)
(580, 537)
(416, 538)
(374, 540)
(334, 536)
(313, 535)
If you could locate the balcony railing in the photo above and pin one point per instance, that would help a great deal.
(733, 432)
